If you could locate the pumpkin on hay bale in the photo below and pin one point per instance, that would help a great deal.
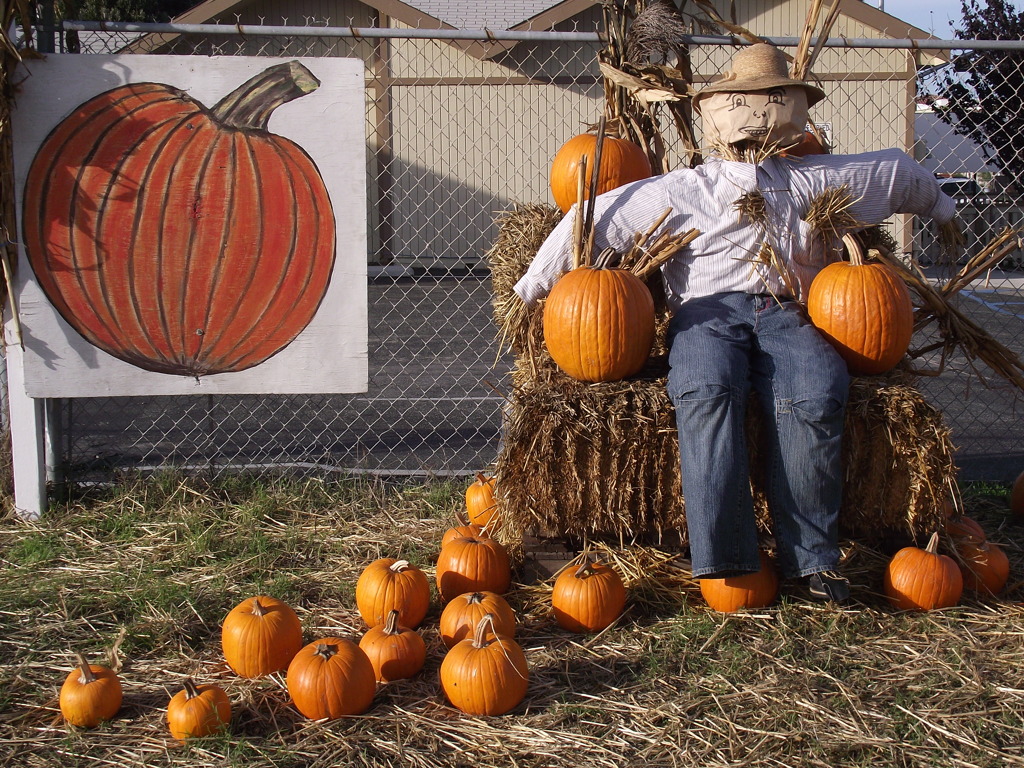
(602, 460)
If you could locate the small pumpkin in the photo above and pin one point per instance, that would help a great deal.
(923, 579)
(481, 507)
(749, 590)
(588, 598)
(198, 710)
(599, 323)
(864, 310)
(389, 584)
(984, 566)
(622, 162)
(260, 635)
(463, 613)
(472, 564)
(964, 527)
(331, 678)
(1017, 496)
(396, 652)
(91, 693)
(486, 674)
(462, 530)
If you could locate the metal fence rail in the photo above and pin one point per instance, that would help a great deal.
(451, 141)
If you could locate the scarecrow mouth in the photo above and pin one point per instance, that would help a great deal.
(756, 132)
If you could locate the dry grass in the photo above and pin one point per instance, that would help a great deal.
(152, 567)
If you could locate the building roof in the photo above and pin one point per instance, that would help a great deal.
(524, 14)
(514, 15)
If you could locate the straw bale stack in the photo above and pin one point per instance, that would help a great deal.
(600, 461)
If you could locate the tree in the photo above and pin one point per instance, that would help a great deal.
(126, 10)
(985, 88)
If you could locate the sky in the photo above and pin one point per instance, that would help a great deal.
(934, 16)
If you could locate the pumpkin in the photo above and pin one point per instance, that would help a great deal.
(622, 161)
(178, 238)
(599, 323)
(260, 635)
(198, 710)
(749, 590)
(984, 566)
(481, 507)
(396, 652)
(330, 678)
(964, 527)
(587, 598)
(810, 144)
(1017, 496)
(923, 579)
(864, 310)
(485, 674)
(462, 530)
(472, 564)
(91, 694)
(388, 584)
(463, 613)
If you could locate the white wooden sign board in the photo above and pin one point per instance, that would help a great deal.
(328, 354)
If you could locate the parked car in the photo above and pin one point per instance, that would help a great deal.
(965, 191)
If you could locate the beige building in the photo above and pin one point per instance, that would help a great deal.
(458, 130)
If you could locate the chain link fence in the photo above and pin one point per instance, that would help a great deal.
(459, 130)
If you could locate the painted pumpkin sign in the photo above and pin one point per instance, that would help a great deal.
(179, 238)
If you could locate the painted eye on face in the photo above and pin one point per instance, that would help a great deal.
(738, 100)
(775, 97)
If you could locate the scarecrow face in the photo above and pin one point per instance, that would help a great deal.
(774, 117)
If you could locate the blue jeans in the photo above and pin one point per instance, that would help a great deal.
(721, 345)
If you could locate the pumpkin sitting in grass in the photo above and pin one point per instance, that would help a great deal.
(91, 694)
(260, 635)
(198, 710)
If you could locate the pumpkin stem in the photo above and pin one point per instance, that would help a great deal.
(391, 623)
(479, 640)
(475, 599)
(482, 478)
(854, 249)
(582, 570)
(87, 676)
(933, 544)
(258, 609)
(325, 650)
(251, 103)
(400, 565)
(191, 689)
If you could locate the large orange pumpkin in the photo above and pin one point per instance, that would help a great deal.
(260, 635)
(472, 564)
(396, 652)
(622, 161)
(922, 579)
(750, 590)
(599, 323)
(865, 310)
(587, 598)
(178, 238)
(330, 678)
(388, 584)
(485, 674)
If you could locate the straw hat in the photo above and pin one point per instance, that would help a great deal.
(757, 68)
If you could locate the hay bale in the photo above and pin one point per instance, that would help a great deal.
(602, 460)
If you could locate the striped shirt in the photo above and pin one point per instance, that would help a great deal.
(724, 257)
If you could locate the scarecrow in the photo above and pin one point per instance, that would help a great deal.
(738, 325)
